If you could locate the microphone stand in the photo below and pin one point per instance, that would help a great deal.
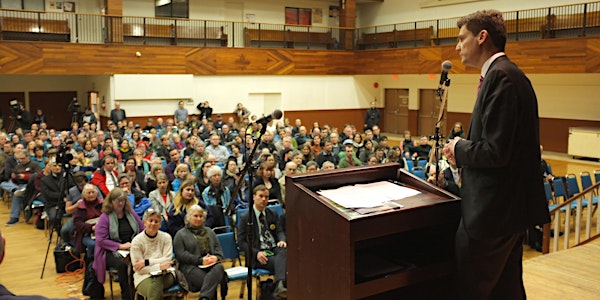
(442, 93)
(251, 216)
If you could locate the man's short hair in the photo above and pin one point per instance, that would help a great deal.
(490, 20)
(259, 188)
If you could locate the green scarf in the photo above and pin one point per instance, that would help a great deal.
(202, 237)
(114, 225)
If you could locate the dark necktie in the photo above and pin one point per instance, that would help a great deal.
(267, 239)
(479, 85)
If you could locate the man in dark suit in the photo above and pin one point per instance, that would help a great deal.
(502, 192)
(269, 244)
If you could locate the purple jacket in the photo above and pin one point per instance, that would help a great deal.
(104, 244)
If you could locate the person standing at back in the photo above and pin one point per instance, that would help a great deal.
(502, 191)
(117, 114)
(372, 117)
(181, 113)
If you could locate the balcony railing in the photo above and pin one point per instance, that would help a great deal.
(534, 24)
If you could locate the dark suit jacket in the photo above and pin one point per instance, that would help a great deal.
(502, 192)
(451, 185)
(273, 224)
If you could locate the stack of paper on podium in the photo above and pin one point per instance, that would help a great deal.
(368, 195)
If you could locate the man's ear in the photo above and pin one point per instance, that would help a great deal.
(482, 36)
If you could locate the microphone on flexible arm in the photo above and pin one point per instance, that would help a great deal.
(276, 114)
(446, 66)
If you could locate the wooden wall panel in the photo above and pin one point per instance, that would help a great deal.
(554, 133)
(114, 7)
(413, 121)
(577, 55)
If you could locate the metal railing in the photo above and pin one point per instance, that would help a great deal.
(533, 24)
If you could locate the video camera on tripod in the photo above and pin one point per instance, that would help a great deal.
(73, 106)
(15, 107)
(64, 156)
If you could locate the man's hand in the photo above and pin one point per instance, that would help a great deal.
(281, 244)
(449, 148)
(261, 256)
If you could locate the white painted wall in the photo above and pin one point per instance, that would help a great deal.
(565, 96)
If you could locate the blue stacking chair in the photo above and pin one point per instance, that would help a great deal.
(409, 164)
(561, 191)
(548, 191)
(597, 176)
(573, 189)
(586, 182)
(422, 163)
(231, 253)
(417, 171)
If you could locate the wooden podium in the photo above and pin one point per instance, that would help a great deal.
(337, 253)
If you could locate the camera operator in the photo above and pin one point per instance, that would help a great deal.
(88, 116)
(21, 114)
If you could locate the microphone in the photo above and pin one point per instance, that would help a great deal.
(446, 66)
(276, 114)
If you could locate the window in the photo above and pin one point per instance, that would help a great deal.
(23, 4)
(172, 8)
(298, 16)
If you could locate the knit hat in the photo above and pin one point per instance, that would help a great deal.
(214, 170)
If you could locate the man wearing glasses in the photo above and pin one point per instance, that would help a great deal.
(105, 178)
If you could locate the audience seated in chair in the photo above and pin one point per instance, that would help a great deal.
(198, 252)
(116, 228)
(152, 258)
(269, 244)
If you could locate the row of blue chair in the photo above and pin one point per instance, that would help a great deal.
(419, 170)
(567, 187)
(231, 252)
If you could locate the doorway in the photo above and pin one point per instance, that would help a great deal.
(429, 107)
(54, 105)
(395, 111)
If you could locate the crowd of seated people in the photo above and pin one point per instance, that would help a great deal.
(172, 168)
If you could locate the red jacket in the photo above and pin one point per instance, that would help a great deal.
(99, 180)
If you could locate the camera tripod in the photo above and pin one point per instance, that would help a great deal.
(13, 124)
(55, 222)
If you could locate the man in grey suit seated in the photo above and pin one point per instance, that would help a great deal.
(269, 244)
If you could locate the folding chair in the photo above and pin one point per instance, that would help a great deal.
(409, 164)
(419, 172)
(586, 183)
(231, 253)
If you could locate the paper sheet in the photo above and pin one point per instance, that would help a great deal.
(368, 195)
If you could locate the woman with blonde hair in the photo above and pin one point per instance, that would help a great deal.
(184, 199)
(181, 173)
(151, 177)
(115, 230)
